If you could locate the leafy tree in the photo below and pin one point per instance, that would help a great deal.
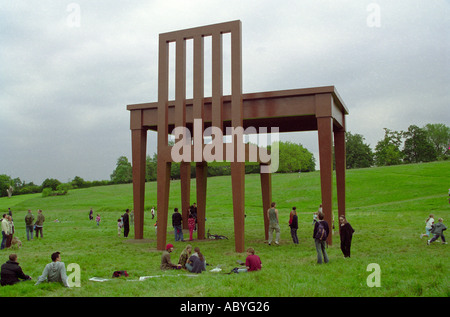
(151, 167)
(387, 151)
(78, 182)
(123, 173)
(358, 153)
(50, 183)
(417, 147)
(5, 182)
(439, 136)
(294, 158)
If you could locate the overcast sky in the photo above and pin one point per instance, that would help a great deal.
(69, 69)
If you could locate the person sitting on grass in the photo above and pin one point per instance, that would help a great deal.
(252, 262)
(166, 264)
(54, 271)
(11, 272)
(196, 262)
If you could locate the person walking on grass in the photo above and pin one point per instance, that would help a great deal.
(428, 226)
(98, 219)
(346, 234)
(438, 231)
(293, 223)
(274, 225)
(321, 232)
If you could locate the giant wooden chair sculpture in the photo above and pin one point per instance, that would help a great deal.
(308, 109)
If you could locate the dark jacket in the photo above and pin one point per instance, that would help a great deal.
(325, 225)
(11, 272)
(346, 233)
(176, 219)
(294, 223)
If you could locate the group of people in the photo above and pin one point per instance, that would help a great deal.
(31, 225)
(55, 271)
(91, 217)
(177, 220)
(434, 230)
(320, 233)
(196, 262)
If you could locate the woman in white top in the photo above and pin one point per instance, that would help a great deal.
(429, 222)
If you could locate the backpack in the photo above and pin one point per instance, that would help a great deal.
(321, 233)
(120, 273)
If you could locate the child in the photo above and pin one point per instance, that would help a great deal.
(98, 219)
(429, 223)
(438, 230)
(191, 225)
(119, 226)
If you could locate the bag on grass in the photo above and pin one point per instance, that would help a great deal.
(120, 273)
(321, 233)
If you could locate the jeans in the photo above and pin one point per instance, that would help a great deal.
(178, 233)
(3, 240)
(436, 236)
(29, 231)
(275, 227)
(320, 248)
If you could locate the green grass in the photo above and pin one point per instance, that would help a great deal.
(386, 206)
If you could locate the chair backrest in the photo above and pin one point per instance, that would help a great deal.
(197, 35)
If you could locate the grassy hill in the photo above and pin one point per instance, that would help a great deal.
(386, 206)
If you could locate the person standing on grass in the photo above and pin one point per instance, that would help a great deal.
(191, 225)
(5, 229)
(98, 219)
(438, 231)
(29, 218)
(272, 214)
(10, 231)
(119, 226)
(176, 224)
(126, 223)
(346, 234)
(39, 224)
(321, 232)
(293, 223)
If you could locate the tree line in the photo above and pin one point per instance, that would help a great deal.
(415, 145)
(292, 158)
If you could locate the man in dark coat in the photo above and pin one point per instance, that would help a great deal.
(126, 223)
(11, 272)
